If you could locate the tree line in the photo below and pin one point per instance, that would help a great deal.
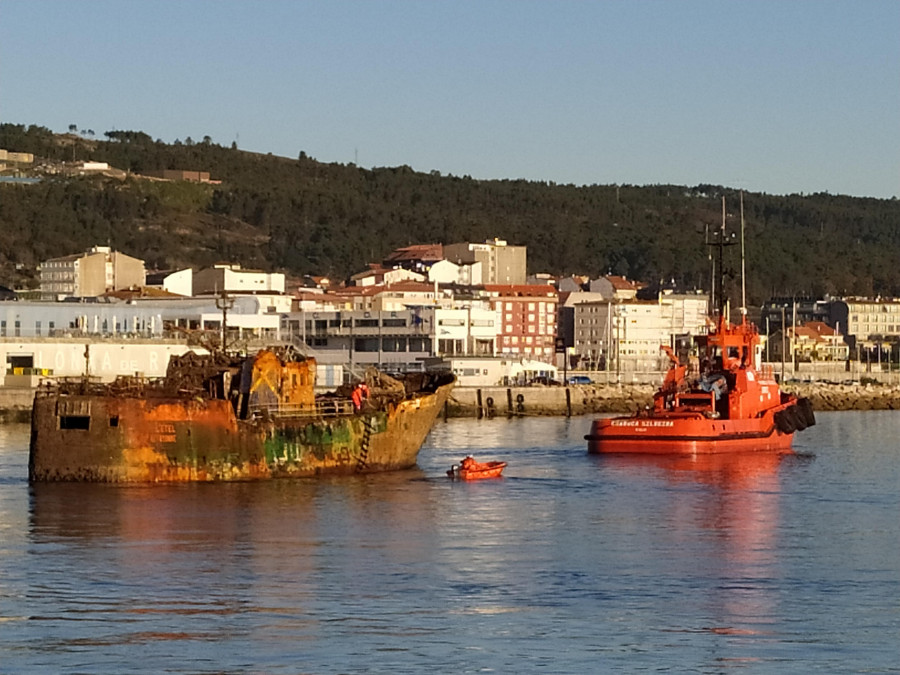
(302, 216)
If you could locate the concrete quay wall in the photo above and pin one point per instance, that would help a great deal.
(628, 398)
(539, 400)
(15, 402)
(848, 396)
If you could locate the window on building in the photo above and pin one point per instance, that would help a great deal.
(366, 344)
(420, 344)
(393, 344)
(450, 347)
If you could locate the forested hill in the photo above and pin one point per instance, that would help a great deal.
(302, 216)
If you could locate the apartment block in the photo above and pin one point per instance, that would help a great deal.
(90, 274)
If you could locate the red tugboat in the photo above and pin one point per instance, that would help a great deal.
(729, 406)
(723, 402)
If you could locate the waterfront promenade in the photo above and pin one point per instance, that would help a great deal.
(625, 398)
(15, 403)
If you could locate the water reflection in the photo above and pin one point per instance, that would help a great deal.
(570, 563)
(734, 499)
(151, 556)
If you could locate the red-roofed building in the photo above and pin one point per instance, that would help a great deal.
(418, 258)
(526, 319)
(615, 287)
(377, 275)
(383, 297)
(813, 341)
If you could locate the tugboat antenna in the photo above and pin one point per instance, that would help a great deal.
(718, 297)
(722, 300)
(743, 267)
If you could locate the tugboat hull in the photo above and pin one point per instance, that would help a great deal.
(679, 436)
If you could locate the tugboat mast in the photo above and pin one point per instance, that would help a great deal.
(719, 298)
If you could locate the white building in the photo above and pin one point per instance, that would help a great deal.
(500, 262)
(24, 359)
(481, 371)
(379, 276)
(446, 272)
(627, 335)
(179, 282)
(249, 315)
(230, 278)
(392, 340)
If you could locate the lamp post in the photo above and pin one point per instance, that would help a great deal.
(783, 330)
(224, 302)
(618, 348)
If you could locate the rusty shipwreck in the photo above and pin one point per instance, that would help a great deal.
(228, 418)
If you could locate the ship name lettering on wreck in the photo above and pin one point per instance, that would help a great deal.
(165, 432)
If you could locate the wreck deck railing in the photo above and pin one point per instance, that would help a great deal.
(331, 408)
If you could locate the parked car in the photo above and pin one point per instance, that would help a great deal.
(543, 379)
(580, 379)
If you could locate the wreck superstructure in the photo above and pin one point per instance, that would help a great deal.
(221, 418)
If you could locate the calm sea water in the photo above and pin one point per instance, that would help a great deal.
(569, 564)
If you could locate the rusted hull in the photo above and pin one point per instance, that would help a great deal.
(137, 440)
(662, 435)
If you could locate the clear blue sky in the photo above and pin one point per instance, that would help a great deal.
(779, 96)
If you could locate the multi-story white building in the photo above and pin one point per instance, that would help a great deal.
(256, 315)
(392, 340)
(90, 274)
(500, 262)
(866, 320)
(627, 335)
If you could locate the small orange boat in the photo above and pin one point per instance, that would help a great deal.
(469, 469)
